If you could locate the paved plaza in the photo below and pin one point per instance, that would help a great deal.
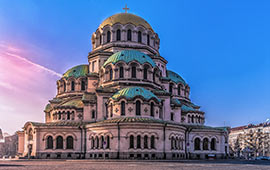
(133, 165)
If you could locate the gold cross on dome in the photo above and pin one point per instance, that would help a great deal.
(126, 8)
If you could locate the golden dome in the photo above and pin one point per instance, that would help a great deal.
(125, 18)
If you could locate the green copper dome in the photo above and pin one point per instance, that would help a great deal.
(186, 108)
(131, 92)
(128, 56)
(175, 77)
(77, 71)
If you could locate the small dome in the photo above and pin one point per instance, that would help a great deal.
(175, 77)
(128, 56)
(77, 71)
(125, 18)
(131, 92)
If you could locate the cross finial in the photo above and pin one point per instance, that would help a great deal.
(126, 8)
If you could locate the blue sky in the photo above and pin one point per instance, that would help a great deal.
(221, 48)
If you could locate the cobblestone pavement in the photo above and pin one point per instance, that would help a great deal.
(133, 165)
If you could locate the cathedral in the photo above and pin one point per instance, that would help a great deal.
(123, 104)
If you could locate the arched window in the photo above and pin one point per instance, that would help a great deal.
(111, 74)
(69, 142)
(108, 142)
(179, 89)
(59, 142)
(72, 85)
(64, 84)
(102, 142)
(145, 142)
(172, 143)
(49, 142)
(82, 85)
(131, 141)
(138, 141)
(172, 116)
(59, 115)
(148, 39)
(129, 35)
(121, 72)
(97, 142)
(153, 142)
(133, 71)
(152, 109)
(192, 119)
(139, 36)
(93, 143)
(145, 71)
(154, 76)
(93, 114)
(100, 40)
(197, 144)
(138, 108)
(123, 108)
(108, 36)
(171, 88)
(213, 144)
(68, 115)
(118, 35)
(205, 144)
(111, 110)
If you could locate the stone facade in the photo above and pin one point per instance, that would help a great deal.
(123, 104)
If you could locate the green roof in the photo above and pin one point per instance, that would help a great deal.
(73, 103)
(176, 102)
(48, 108)
(128, 56)
(175, 77)
(186, 108)
(131, 92)
(77, 71)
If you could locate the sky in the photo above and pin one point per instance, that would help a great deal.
(221, 49)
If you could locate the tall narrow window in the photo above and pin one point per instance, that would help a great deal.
(93, 114)
(93, 143)
(179, 89)
(139, 36)
(102, 142)
(69, 142)
(118, 35)
(50, 142)
(108, 36)
(121, 72)
(59, 142)
(197, 144)
(64, 84)
(138, 141)
(93, 66)
(111, 74)
(148, 39)
(72, 86)
(171, 88)
(172, 116)
(138, 108)
(133, 71)
(82, 85)
(154, 76)
(123, 108)
(111, 110)
(68, 115)
(108, 142)
(192, 119)
(97, 142)
(129, 35)
(172, 143)
(59, 116)
(145, 71)
(131, 141)
(145, 141)
(152, 109)
(153, 142)
(100, 40)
